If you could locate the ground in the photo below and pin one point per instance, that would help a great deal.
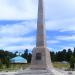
(16, 68)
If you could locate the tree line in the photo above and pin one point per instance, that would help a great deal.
(64, 55)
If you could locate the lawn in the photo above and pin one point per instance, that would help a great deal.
(60, 65)
(16, 67)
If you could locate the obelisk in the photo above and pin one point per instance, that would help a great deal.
(41, 55)
(41, 60)
(41, 37)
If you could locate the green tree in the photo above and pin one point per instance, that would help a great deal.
(63, 55)
(1, 66)
(59, 56)
(72, 61)
(53, 56)
(69, 54)
(5, 57)
(25, 55)
(29, 57)
(74, 52)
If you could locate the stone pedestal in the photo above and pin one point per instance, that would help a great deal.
(41, 58)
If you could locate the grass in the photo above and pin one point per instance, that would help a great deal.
(60, 65)
(15, 67)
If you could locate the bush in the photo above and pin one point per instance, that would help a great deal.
(1, 66)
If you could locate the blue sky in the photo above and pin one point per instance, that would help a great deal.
(18, 22)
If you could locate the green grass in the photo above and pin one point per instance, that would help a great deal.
(60, 65)
(16, 67)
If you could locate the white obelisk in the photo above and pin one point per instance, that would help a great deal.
(41, 55)
(41, 60)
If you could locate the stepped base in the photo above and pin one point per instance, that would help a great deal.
(51, 71)
(41, 58)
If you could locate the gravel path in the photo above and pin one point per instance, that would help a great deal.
(13, 73)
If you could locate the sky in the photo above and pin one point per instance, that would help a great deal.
(18, 24)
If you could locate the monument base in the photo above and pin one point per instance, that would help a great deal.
(41, 64)
(51, 71)
(41, 58)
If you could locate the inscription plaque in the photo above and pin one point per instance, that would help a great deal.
(38, 56)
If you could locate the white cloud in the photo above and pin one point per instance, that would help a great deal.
(17, 29)
(27, 9)
(60, 16)
(17, 9)
(66, 38)
(16, 43)
(67, 47)
(16, 40)
(59, 9)
(53, 41)
(21, 48)
(61, 25)
(14, 36)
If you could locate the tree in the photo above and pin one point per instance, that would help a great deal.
(74, 52)
(7, 62)
(25, 55)
(59, 56)
(68, 55)
(29, 57)
(63, 55)
(1, 66)
(15, 54)
(53, 56)
(5, 57)
(72, 61)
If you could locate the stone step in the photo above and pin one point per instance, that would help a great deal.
(35, 72)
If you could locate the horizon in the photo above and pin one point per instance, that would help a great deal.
(18, 24)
